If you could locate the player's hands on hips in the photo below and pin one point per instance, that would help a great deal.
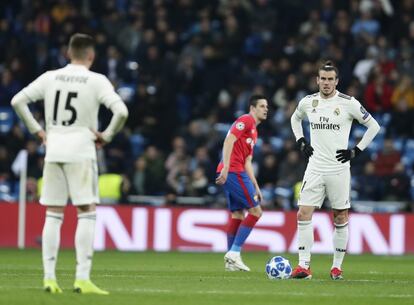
(305, 147)
(344, 155)
(99, 140)
(222, 178)
(41, 134)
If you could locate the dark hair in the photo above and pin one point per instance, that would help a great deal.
(255, 98)
(79, 43)
(329, 66)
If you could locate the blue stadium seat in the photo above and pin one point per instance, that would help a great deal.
(381, 133)
(284, 194)
(5, 192)
(409, 146)
(399, 144)
(412, 188)
(375, 145)
(408, 156)
(358, 131)
(137, 144)
(276, 143)
(408, 161)
(6, 119)
(222, 128)
(386, 118)
(127, 92)
(352, 142)
(306, 130)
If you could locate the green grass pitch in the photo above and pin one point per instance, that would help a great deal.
(199, 278)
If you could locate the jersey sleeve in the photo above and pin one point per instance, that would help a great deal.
(36, 90)
(300, 112)
(358, 112)
(240, 126)
(106, 92)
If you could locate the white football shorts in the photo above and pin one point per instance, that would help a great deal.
(77, 181)
(336, 187)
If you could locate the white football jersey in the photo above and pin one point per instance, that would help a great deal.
(72, 96)
(330, 122)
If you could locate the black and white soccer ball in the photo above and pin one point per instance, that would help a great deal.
(278, 268)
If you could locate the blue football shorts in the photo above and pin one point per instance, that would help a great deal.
(239, 191)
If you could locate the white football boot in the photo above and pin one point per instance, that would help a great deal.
(230, 267)
(233, 259)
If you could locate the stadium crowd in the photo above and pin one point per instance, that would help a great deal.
(186, 69)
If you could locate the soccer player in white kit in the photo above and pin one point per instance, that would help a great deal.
(330, 114)
(72, 96)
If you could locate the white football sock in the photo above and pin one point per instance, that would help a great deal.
(305, 242)
(84, 237)
(340, 240)
(50, 243)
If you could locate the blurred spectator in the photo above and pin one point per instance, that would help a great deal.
(291, 170)
(378, 92)
(366, 27)
(288, 93)
(178, 153)
(387, 159)
(201, 159)
(15, 141)
(118, 153)
(5, 164)
(34, 160)
(190, 67)
(155, 172)
(196, 134)
(130, 36)
(113, 65)
(403, 96)
(364, 66)
(358, 165)
(139, 177)
(402, 100)
(397, 184)
(198, 183)
(8, 87)
(178, 178)
(368, 184)
(268, 171)
(60, 11)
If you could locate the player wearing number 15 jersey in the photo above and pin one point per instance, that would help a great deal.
(72, 97)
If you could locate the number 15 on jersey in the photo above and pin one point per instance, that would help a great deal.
(68, 107)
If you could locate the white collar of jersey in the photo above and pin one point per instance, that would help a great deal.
(77, 66)
(328, 99)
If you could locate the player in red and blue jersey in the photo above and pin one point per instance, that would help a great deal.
(235, 174)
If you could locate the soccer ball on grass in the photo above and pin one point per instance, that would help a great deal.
(278, 268)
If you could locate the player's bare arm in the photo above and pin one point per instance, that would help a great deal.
(227, 149)
(249, 170)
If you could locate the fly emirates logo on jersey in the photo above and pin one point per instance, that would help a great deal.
(324, 124)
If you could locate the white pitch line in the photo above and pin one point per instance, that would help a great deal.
(226, 292)
(274, 293)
